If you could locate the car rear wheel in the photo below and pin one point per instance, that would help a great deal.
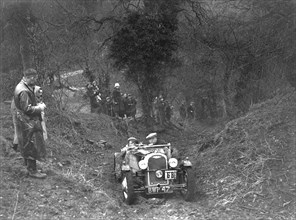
(188, 179)
(128, 188)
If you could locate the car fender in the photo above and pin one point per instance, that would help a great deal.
(186, 163)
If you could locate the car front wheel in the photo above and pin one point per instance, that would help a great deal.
(128, 188)
(188, 179)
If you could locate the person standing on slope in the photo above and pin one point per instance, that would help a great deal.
(28, 123)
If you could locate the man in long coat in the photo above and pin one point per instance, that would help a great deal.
(131, 107)
(28, 123)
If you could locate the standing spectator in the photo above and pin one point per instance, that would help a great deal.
(182, 111)
(131, 108)
(116, 99)
(109, 106)
(28, 123)
(38, 96)
(161, 110)
(93, 92)
(155, 109)
(191, 111)
(168, 111)
(124, 105)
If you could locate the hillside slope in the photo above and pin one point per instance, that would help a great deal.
(245, 169)
(251, 163)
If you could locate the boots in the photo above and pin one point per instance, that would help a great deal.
(32, 170)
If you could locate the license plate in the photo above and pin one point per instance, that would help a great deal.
(170, 175)
(159, 189)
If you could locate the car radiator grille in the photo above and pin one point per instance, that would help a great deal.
(156, 163)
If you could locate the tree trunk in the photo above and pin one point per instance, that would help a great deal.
(22, 57)
(147, 97)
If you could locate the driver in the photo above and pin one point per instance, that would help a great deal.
(153, 140)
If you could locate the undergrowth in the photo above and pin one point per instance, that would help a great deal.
(251, 163)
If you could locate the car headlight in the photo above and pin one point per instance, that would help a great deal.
(158, 173)
(173, 162)
(143, 164)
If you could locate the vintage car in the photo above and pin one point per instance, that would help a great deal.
(151, 169)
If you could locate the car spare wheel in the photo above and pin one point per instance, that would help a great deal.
(128, 188)
(188, 179)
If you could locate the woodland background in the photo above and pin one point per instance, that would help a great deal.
(230, 54)
(234, 58)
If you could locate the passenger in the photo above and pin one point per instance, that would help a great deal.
(127, 156)
(132, 141)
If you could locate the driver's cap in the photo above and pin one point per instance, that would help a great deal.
(151, 135)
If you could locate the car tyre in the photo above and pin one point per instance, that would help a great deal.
(127, 184)
(188, 179)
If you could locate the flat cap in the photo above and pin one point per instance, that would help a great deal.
(132, 139)
(151, 135)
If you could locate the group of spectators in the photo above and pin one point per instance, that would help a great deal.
(162, 111)
(120, 105)
(116, 104)
(187, 112)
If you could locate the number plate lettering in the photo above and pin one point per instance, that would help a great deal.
(170, 175)
(160, 189)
